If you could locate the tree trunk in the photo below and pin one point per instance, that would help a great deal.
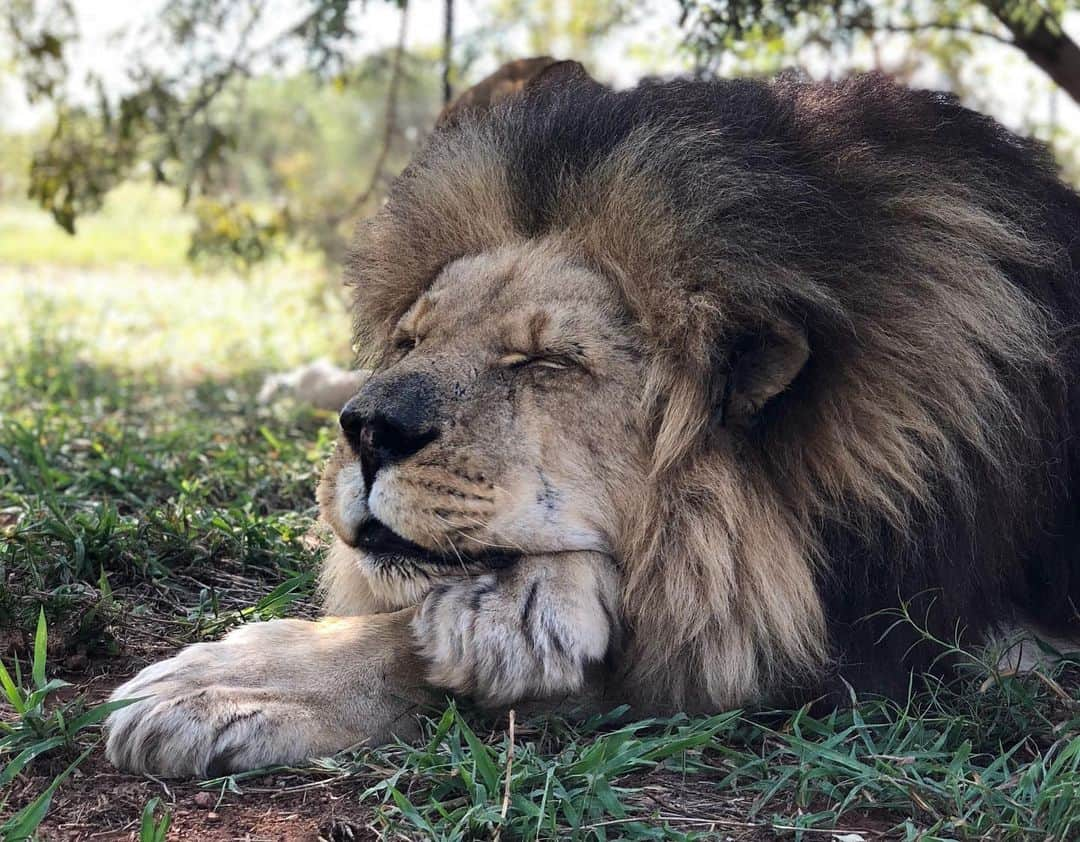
(448, 50)
(1044, 42)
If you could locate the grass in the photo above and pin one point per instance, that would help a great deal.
(36, 731)
(931, 769)
(138, 226)
(152, 829)
(147, 501)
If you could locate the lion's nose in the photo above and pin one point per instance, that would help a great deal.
(389, 420)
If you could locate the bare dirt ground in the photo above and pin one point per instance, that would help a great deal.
(98, 802)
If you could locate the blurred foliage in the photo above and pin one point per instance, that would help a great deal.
(41, 34)
(233, 232)
(576, 31)
(781, 27)
(226, 104)
(80, 164)
(727, 21)
(274, 120)
(309, 155)
(280, 123)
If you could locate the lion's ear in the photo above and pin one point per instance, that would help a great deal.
(761, 365)
(562, 72)
(509, 80)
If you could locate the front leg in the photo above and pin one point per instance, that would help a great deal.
(276, 692)
(528, 632)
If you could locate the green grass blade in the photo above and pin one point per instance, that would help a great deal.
(149, 830)
(411, 813)
(12, 691)
(97, 713)
(41, 646)
(37, 698)
(25, 822)
(481, 757)
(25, 756)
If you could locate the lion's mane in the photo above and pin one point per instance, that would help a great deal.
(923, 454)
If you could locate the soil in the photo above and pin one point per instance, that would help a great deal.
(98, 802)
(101, 803)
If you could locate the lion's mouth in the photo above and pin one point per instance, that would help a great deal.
(378, 539)
(382, 544)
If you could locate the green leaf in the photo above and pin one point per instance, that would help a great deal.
(97, 713)
(410, 812)
(146, 825)
(105, 587)
(25, 756)
(37, 698)
(271, 439)
(149, 831)
(481, 757)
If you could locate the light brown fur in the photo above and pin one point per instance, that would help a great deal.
(720, 548)
(606, 364)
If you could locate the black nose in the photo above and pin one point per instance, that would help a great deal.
(390, 419)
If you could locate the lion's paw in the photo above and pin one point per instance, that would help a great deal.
(178, 731)
(531, 634)
(217, 708)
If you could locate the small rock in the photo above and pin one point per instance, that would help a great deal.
(212, 817)
(206, 800)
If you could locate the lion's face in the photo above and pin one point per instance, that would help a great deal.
(504, 419)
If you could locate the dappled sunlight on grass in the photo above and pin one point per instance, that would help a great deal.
(138, 226)
(178, 326)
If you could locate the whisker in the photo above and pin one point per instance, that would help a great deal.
(476, 540)
(461, 561)
(438, 541)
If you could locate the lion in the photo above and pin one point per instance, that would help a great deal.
(680, 397)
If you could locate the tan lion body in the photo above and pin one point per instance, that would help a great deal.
(676, 394)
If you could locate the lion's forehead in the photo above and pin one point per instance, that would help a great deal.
(516, 297)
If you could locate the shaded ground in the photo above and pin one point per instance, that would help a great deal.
(104, 804)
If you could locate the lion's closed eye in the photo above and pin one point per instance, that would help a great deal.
(517, 359)
(404, 342)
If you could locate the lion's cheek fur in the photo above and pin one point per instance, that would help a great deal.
(544, 509)
(341, 494)
(528, 511)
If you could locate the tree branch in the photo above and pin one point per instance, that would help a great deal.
(389, 126)
(1044, 41)
(448, 51)
(935, 26)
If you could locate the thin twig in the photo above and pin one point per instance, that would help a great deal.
(509, 769)
(934, 26)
